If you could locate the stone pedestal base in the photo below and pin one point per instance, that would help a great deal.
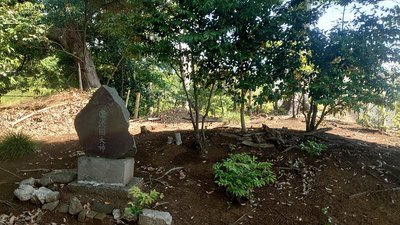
(96, 170)
(106, 190)
(103, 176)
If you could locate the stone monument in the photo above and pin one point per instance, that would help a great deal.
(102, 127)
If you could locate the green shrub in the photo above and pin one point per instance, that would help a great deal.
(241, 173)
(16, 145)
(142, 200)
(313, 148)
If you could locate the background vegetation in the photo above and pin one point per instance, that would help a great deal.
(219, 58)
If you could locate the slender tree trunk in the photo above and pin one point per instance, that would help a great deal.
(293, 107)
(80, 77)
(127, 98)
(242, 111)
(137, 102)
(250, 103)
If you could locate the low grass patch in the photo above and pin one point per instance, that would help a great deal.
(18, 97)
(15, 145)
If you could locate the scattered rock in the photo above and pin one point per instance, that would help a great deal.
(24, 192)
(63, 208)
(102, 208)
(82, 215)
(89, 216)
(99, 218)
(116, 214)
(75, 206)
(46, 195)
(62, 176)
(46, 181)
(30, 181)
(50, 206)
(154, 217)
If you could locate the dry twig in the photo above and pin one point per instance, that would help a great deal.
(373, 192)
(7, 171)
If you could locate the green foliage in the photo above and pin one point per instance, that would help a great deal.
(142, 200)
(21, 32)
(241, 173)
(231, 117)
(16, 145)
(313, 148)
(325, 211)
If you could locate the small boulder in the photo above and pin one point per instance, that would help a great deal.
(75, 206)
(154, 217)
(50, 206)
(46, 181)
(62, 176)
(30, 181)
(24, 192)
(116, 214)
(63, 208)
(82, 215)
(46, 195)
(99, 218)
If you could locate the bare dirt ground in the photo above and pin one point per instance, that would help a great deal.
(355, 179)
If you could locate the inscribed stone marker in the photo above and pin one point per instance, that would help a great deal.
(102, 125)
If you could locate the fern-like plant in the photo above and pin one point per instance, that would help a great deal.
(313, 148)
(142, 200)
(241, 173)
(16, 145)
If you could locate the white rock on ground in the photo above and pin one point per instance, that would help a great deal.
(24, 192)
(46, 195)
(154, 217)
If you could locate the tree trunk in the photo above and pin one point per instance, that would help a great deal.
(242, 111)
(69, 40)
(137, 102)
(250, 103)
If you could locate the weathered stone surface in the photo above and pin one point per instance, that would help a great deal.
(50, 206)
(102, 208)
(30, 181)
(46, 181)
(46, 195)
(63, 208)
(105, 171)
(75, 206)
(61, 176)
(82, 215)
(99, 218)
(116, 214)
(102, 125)
(24, 192)
(154, 217)
(106, 189)
(89, 216)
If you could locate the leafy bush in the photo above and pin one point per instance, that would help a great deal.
(313, 148)
(241, 173)
(142, 200)
(16, 145)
